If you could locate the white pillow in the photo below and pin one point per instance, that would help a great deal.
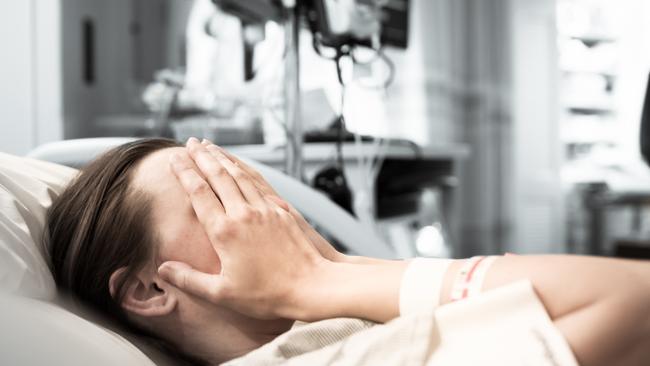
(39, 327)
(34, 332)
(27, 187)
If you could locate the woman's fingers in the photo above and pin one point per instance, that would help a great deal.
(260, 183)
(323, 247)
(263, 250)
(181, 275)
(220, 170)
(280, 203)
(221, 181)
(207, 206)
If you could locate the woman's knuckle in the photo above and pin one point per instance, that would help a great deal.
(286, 216)
(248, 214)
(219, 171)
(280, 212)
(255, 174)
(240, 175)
(225, 230)
(268, 211)
(224, 235)
(199, 188)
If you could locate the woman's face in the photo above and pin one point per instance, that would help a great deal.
(179, 232)
(181, 237)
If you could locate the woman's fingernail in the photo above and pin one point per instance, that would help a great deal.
(167, 269)
(192, 140)
(163, 269)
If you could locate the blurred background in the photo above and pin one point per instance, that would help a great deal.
(450, 127)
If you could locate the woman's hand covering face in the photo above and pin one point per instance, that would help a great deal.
(265, 254)
(322, 245)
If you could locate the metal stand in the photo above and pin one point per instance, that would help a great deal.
(292, 104)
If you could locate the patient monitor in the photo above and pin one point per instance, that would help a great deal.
(337, 22)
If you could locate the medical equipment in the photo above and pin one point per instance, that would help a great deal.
(253, 11)
(331, 181)
(339, 30)
(340, 25)
(469, 280)
(359, 22)
(336, 22)
(253, 14)
(412, 301)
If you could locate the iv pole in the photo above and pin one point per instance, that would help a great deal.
(292, 102)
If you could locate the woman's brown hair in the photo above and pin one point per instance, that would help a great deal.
(100, 224)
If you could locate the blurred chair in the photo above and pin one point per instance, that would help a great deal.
(639, 247)
(645, 125)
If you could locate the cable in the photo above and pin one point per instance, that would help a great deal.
(272, 91)
(341, 120)
(375, 56)
(391, 68)
(390, 77)
(368, 165)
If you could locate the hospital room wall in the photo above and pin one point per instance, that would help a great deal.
(87, 81)
(132, 40)
(536, 199)
(485, 123)
(510, 186)
(30, 82)
(116, 60)
(427, 93)
(44, 94)
(483, 73)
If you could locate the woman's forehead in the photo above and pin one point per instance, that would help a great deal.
(155, 170)
(154, 177)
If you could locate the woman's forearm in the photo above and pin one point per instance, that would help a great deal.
(601, 305)
(367, 289)
(564, 283)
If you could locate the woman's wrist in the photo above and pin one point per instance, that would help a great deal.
(342, 289)
(357, 259)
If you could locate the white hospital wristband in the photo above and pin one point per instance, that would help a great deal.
(421, 285)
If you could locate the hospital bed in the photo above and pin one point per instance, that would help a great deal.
(40, 326)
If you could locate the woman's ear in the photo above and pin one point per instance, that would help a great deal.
(146, 294)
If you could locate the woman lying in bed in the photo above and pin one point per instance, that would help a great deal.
(193, 247)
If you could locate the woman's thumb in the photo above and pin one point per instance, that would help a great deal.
(183, 276)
